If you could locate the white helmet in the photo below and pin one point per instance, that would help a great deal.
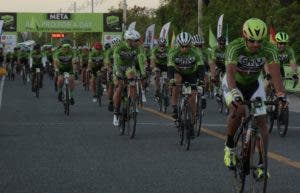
(132, 35)
(184, 39)
(197, 39)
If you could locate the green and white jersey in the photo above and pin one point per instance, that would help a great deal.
(159, 57)
(36, 59)
(249, 65)
(185, 63)
(126, 56)
(286, 57)
(96, 58)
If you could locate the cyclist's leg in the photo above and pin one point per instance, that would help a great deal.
(110, 90)
(233, 123)
(93, 84)
(175, 92)
(157, 81)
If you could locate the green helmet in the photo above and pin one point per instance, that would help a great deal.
(282, 37)
(254, 29)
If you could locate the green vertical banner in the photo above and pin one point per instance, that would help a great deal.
(212, 38)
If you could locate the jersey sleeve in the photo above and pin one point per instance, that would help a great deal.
(271, 53)
(291, 55)
(231, 54)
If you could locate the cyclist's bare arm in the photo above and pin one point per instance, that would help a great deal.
(212, 66)
(276, 77)
(231, 70)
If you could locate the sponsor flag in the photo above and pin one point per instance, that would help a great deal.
(173, 40)
(149, 36)
(220, 26)
(227, 39)
(212, 39)
(164, 31)
(1, 26)
(132, 26)
(272, 33)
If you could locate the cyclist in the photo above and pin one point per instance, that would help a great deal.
(83, 61)
(245, 59)
(286, 55)
(36, 58)
(198, 42)
(185, 64)
(14, 59)
(109, 61)
(217, 61)
(127, 56)
(23, 59)
(64, 61)
(96, 64)
(159, 61)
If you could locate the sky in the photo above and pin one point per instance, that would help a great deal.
(68, 5)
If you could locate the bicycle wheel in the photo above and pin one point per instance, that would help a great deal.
(132, 117)
(24, 78)
(37, 86)
(220, 103)
(99, 90)
(283, 121)
(180, 125)
(239, 172)
(188, 127)
(67, 101)
(165, 98)
(258, 159)
(122, 116)
(199, 114)
(270, 120)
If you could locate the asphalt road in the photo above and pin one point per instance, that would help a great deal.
(44, 151)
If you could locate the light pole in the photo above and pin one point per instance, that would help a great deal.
(124, 14)
(200, 4)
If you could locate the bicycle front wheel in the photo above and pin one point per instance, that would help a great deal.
(188, 127)
(37, 85)
(67, 101)
(283, 121)
(132, 117)
(258, 165)
(199, 114)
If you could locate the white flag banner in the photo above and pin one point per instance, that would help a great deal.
(132, 26)
(220, 25)
(149, 36)
(164, 31)
(1, 25)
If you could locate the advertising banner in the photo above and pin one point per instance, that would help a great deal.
(9, 22)
(60, 22)
(149, 36)
(112, 22)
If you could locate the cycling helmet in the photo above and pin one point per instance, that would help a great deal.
(222, 40)
(162, 41)
(197, 39)
(132, 35)
(254, 29)
(282, 37)
(107, 46)
(115, 41)
(184, 39)
(98, 45)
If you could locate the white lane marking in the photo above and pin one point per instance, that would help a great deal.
(1, 90)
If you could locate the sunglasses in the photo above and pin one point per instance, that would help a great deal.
(253, 41)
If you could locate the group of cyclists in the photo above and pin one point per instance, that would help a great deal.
(238, 69)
